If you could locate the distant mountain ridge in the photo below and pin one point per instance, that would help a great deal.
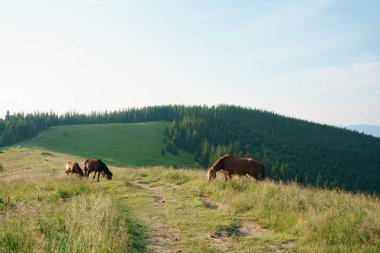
(373, 130)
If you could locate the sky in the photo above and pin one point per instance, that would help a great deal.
(314, 60)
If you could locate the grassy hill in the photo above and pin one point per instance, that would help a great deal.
(291, 149)
(134, 144)
(166, 210)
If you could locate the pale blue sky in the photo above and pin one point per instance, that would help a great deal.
(315, 60)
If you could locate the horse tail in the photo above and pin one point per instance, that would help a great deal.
(86, 168)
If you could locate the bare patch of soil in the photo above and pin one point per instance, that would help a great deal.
(163, 242)
(288, 245)
(223, 238)
(209, 202)
(247, 229)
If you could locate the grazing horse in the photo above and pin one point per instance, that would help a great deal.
(73, 167)
(99, 167)
(231, 165)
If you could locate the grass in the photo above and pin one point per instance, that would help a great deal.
(135, 144)
(44, 210)
(315, 220)
(157, 209)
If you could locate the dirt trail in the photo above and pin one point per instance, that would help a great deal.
(162, 238)
(156, 190)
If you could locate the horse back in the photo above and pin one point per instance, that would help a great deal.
(94, 165)
(243, 166)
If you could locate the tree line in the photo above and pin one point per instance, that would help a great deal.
(291, 149)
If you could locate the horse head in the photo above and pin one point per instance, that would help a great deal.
(80, 172)
(109, 175)
(211, 174)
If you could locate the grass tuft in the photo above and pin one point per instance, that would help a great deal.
(177, 178)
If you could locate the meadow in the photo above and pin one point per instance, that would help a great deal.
(172, 210)
(134, 144)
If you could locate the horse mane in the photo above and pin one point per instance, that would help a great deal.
(85, 163)
(220, 162)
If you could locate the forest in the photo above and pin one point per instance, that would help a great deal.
(291, 149)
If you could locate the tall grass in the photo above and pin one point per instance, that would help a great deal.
(89, 223)
(316, 220)
(319, 220)
(45, 211)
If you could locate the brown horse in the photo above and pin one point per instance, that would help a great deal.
(73, 167)
(99, 167)
(231, 165)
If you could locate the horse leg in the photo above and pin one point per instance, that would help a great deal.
(225, 176)
(253, 175)
(98, 175)
(94, 176)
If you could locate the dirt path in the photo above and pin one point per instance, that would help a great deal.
(175, 221)
(162, 237)
(156, 190)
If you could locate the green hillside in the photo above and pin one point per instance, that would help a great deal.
(291, 149)
(135, 144)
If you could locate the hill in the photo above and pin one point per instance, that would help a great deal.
(291, 149)
(134, 144)
(166, 210)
